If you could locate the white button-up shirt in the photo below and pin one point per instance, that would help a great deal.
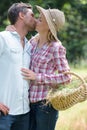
(13, 88)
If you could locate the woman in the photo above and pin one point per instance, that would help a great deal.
(48, 55)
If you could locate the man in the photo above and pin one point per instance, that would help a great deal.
(14, 54)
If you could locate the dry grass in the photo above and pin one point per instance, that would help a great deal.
(74, 118)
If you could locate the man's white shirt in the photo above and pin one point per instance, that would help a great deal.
(13, 88)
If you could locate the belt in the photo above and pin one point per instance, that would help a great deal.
(39, 102)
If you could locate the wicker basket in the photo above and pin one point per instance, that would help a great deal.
(66, 98)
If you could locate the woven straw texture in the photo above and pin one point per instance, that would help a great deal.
(67, 97)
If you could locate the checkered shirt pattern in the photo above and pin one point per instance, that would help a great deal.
(45, 62)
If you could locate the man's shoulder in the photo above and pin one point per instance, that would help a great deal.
(4, 33)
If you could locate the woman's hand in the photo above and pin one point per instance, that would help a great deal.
(28, 74)
(10, 28)
(4, 109)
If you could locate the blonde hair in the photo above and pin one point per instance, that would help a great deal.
(50, 37)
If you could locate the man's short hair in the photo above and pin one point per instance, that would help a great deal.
(15, 9)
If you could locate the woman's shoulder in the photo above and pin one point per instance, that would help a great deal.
(58, 48)
(57, 44)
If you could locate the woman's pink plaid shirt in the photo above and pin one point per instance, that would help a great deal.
(45, 62)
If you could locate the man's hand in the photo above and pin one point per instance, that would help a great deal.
(4, 109)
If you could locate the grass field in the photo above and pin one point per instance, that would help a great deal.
(74, 118)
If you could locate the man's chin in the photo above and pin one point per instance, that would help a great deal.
(32, 29)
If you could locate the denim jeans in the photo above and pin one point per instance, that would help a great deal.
(42, 116)
(14, 122)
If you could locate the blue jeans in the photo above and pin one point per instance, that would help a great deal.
(14, 122)
(42, 116)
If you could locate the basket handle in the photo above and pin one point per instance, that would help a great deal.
(69, 72)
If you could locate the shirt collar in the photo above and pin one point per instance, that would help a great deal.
(27, 44)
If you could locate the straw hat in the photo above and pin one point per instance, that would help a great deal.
(55, 19)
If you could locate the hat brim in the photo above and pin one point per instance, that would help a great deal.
(46, 13)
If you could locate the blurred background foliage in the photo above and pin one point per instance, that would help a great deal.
(74, 33)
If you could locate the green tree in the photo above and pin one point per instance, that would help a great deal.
(73, 34)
